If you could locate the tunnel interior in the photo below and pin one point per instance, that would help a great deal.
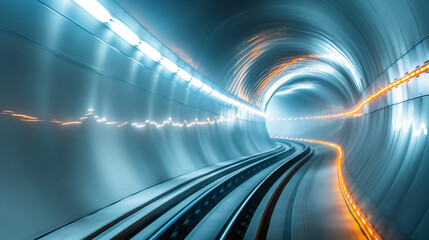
(89, 118)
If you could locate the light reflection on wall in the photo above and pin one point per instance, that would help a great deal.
(90, 115)
(407, 124)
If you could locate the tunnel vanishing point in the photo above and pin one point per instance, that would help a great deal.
(257, 119)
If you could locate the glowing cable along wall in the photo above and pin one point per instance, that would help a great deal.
(100, 13)
(357, 213)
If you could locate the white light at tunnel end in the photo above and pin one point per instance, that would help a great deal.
(100, 13)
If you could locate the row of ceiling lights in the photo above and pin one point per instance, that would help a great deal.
(101, 14)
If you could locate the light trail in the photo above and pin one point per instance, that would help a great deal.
(91, 116)
(276, 72)
(253, 39)
(71, 123)
(356, 111)
(30, 120)
(242, 66)
(357, 213)
(389, 86)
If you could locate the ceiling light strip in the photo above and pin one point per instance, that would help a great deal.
(100, 13)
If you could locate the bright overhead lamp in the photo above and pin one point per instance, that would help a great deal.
(124, 32)
(100, 13)
(95, 9)
(196, 82)
(184, 75)
(236, 103)
(149, 51)
(215, 94)
(168, 64)
(223, 98)
(230, 101)
(206, 88)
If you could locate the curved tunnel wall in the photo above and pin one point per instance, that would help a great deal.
(386, 149)
(387, 161)
(54, 70)
(70, 69)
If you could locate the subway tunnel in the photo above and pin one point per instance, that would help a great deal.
(275, 119)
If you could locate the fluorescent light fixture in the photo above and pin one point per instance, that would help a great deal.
(236, 103)
(223, 98)
(215, 94)
(207, 88)
(184, 75)
(196, 82)
(149, 51)
(95, 9)
(124, 32)
(167, 63)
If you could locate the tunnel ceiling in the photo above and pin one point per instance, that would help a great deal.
(252, 48)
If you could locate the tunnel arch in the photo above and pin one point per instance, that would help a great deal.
(75, 68)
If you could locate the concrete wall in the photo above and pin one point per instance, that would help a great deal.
(387, 157)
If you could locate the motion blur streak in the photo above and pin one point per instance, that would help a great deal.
(184, 123)
(71, 123)
(274, 73)
(357, 213)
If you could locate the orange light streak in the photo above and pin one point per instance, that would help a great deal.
(23, 116)
(253, 39)
(388, 87)
(351, 203)
(279, 70)
(123, 124)
(30, 120)
(71, 123)
(356, 111)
